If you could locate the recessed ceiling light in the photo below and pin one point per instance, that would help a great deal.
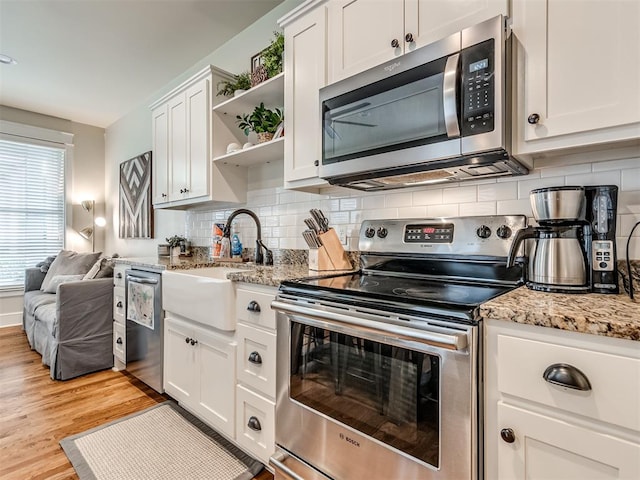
(7, 60)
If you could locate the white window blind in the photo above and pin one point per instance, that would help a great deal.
(32, 220)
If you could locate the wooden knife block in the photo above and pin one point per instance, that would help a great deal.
(331, 256)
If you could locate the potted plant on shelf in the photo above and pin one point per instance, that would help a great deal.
(262, 120)
(240, 84)
(272, 55)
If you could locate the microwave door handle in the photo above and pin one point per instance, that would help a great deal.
(449, 87)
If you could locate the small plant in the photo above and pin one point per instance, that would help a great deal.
(272, 55)
(175, 241)
(227, 88)
(261, 120)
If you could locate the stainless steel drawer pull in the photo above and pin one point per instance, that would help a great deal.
(254, 424)
(254, 357)
(566, 376)
(253, 306)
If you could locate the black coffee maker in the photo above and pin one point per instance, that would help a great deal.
(601, 210)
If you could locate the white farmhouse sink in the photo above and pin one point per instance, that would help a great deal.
(204, 295)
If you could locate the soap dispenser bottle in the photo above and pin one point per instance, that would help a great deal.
(236, 245)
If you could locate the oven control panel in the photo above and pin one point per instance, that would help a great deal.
(490, 235)
(429, 233)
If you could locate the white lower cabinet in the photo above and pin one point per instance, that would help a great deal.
(546, 428)
(199, 372)
(119, 320)
(256, 370)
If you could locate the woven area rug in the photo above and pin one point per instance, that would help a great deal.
(161, 442)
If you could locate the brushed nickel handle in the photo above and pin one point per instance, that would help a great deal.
(566, 375)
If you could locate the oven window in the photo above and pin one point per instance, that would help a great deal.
(386, 392)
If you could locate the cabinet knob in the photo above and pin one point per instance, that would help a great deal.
(254, 424)
(254, 357)
(533, 119)
(253, 306)
(408, 37)
(119, 304)
(395, 43)
(193, 341)
(186, 190)
(119, 341)
(508, 435)
(316, 163)
(187, 340)
(118, 275)
(164, 195)
(566, 376)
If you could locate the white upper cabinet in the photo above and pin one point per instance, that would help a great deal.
(366, 33)
(578, 73)
(183, 173)
(305, 67)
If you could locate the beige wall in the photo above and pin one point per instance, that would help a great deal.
(83, 184)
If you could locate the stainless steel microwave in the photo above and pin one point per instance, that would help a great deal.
(438, 114)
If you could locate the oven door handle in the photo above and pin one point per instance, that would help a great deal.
(149, 281)
(450, 341)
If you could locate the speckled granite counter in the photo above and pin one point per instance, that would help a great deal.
(256, 274)
(608, 315)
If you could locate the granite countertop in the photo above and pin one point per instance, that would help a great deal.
(256, 274)
(608, 315)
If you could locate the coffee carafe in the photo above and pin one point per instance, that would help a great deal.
(558, 261)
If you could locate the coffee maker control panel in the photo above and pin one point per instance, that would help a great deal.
(603, 255)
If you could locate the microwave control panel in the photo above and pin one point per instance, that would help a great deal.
(478, 88)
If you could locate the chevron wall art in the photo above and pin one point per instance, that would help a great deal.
(136, 214)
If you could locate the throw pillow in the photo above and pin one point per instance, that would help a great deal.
(46, 263)
(69, 263)
(103, 268)
(59, 280)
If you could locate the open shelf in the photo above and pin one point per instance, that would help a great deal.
(271, 92)
(258, 154)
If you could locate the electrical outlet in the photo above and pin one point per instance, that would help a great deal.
(342, 235)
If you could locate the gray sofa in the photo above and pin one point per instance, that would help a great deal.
(72, 328)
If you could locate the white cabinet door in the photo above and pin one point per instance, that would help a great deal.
(361, 33)
(177, 147)
(198, 138)
(216, 367)
(179, 361)
(578, 71)
(545, 449)
(305, 67)
(257, 359)
(160, 156)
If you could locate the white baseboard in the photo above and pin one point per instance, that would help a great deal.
(10, 319)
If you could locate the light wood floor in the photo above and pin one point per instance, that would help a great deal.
(37, 412)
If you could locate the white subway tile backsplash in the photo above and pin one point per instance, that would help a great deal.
(464, 194)
(498, 191)
(477, 208)
(282, 212)
(402, 199)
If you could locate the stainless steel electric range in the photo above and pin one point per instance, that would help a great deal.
(379, 372)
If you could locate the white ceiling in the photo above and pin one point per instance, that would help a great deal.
(92, 61)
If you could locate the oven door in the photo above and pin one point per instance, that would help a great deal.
(360, 395)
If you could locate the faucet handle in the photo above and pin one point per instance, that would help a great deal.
(268, 259)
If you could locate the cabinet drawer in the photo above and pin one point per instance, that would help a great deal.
(255, 424)
(119, 342)
(615, 380)
(257, 359)
(119, 271)
(258, 313)
(119, 305)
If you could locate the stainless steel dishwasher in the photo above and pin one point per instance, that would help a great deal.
(145, 319)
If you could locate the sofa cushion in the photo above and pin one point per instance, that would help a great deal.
(103, 268)
(35, 299)
(69, 263)
(59, 280)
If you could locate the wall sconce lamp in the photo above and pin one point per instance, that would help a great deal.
(88, 231)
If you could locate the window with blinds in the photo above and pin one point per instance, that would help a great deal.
(31, 207)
